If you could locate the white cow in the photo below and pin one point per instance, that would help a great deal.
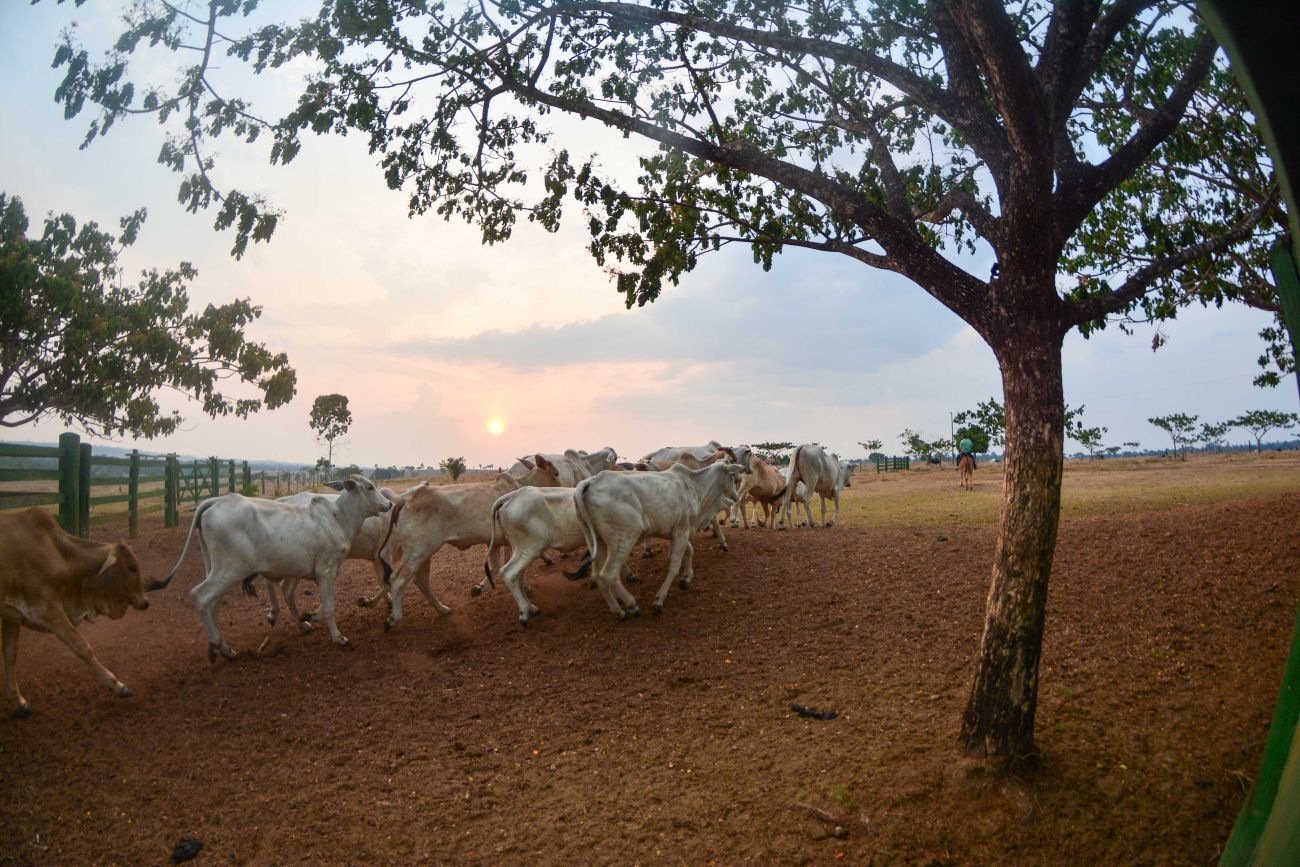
(618, 510)
(735, 454)
(530, 520)
(571, 467)
(459, 515)
(366, 545)
(821, 473)
(242, 536)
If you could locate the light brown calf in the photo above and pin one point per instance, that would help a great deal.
(51, 580)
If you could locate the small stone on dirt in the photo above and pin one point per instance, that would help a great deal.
(186, 848)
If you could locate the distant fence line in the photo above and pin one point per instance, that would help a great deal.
(887, 464)
(152, 482)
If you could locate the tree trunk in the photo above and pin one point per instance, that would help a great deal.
(999, 717)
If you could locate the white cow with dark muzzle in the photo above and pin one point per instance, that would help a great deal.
(241, 536)
(618, 510)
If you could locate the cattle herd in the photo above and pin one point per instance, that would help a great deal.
(51, 580)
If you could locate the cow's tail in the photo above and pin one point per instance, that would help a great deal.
(395, 513)
(588, 533)
(492, 536)
(189, 537)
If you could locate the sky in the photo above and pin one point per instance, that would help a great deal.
(430, 334)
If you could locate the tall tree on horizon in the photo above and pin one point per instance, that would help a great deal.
(1051, 137)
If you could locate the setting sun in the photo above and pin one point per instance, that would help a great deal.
(496, 426)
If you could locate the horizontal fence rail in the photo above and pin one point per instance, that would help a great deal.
(72, 478)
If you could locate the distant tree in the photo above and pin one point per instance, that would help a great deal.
(330, 418)
(348, 471)
(1090, 439)
(453, 467)
(1133, 445)
(79, 343)
(917, 446)
(1260, 421)
(772, 452)
(871, 446)
(1181, 429)
(988, 416)
(979, 438)
(1212, 433)
(1112, 450)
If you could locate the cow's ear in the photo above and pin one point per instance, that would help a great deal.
(350, 485)
(545, 464)
(526, 462)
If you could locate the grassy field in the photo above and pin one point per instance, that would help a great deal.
(929, 496)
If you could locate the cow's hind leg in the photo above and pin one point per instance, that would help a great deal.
(206, 596)
(422, 581)
(9, 638)
(512, 574)
(304, 620)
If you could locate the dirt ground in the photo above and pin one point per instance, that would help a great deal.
(465, 738)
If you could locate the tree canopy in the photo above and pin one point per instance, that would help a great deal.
(1061, 141)
(80, 343)
(1260, 421)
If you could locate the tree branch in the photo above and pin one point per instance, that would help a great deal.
(1091, 309)
(1091, 183)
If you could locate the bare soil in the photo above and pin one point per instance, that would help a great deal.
(671, 739)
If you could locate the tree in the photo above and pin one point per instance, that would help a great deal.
(1052, 134)
(979, 438)
(772, 452)
(917, 446)
(1260, 421)
(1112, 450)
(79, 343)
(1212, 433)
(330, 419)
(1133, 445)
(989, 417)
(1090, 439)
(1181, 429)
(454, 467)
(871, 446)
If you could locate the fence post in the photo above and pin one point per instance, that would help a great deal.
(248, 478)
(171, 491)
(69, 476)
(133, 491)
(214, 472)
(232, 476)
(83, 482)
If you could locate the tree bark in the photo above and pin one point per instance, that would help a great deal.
(999, 716)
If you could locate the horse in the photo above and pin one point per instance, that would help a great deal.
(966, 471)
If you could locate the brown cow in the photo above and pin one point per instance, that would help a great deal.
(51, 580)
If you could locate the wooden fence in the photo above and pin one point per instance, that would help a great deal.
(888, 465)
(76, 480)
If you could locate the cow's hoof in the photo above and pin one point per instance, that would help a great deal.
(634, 611)
(523, 621)
(533, 610)
(229, 652)
(271, 618)
(213, 650)
(389, 624)
(122, 691)
(304, 626)
(476, 590)
(659, 608)
(23, 711)
(344, 643)
(684, 583)
(363, 602)
(725, 549)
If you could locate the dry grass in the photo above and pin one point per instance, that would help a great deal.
(929, 496)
